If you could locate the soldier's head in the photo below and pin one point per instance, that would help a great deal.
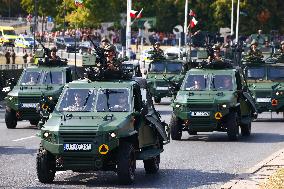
(104, 42)
(217, 50)
(227, 82)
(259, 32)
(157, 45)
(110, 51)
(266, 43)
(253, 45)
(53, 52)
(282, 45)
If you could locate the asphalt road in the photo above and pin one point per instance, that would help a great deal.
(207, 160)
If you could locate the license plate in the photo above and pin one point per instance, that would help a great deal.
(200, 114)
(28, 105)
(162, 88)
(263, 100)
(77, 147)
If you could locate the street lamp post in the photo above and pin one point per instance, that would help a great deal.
(35, 21)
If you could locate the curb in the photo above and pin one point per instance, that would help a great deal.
(258, 174)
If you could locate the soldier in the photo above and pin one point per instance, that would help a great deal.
(54, 56)
(13, 56)
(121, 103)
(217, 57)
(7, 56)
(281, 50)
(157, 50)
(104, 42)
(112, 63)
(254, 52)
(78, 103)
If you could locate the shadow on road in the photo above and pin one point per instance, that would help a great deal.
(222, 137)
(12, 150)
(166, 178)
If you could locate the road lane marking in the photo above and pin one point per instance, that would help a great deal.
(16, 140)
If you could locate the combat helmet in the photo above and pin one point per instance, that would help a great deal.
(254, 42)
(110, 47)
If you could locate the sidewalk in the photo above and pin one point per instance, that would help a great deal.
(258, 174)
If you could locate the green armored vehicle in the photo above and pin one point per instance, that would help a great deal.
(164, 74)
(46, 79)
(213, 97)
(266, 82)
(104, 122)
(102, 126)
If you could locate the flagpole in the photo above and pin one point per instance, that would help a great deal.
(128, 29)
(232, 19)
(185, 22)
(237, 24)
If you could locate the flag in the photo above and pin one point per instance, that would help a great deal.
(133, 14)
(193, 22)
(191, 13)
(78, 3)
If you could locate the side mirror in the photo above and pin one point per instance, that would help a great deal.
(145, 72)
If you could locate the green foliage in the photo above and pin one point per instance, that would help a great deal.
(211, 14)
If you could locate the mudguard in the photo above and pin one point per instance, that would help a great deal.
(250, 100)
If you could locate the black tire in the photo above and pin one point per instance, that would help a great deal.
(11, 119)
(126, 163)
(151, 166)
(34, 122)
(232, 126)
(192, 132)
(246, 129)
(45, 166)
(176, 128)
(157, 99)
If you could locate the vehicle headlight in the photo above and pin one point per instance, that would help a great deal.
(178, 105)
(50, 98)
(224, 105)
(47, 135)
(279, 93)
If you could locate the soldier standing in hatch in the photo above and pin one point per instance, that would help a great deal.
(112, 63)
(157, 50)
(281, 50)
(217, 57)
(254, 52)
(104, 42)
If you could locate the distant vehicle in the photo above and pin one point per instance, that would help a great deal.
(132, 68)
(121, 52)
(25, 42)
(213, 98)
(174, 53)
(66, 43)
(7, 36)
(84, 46)
(266, 82)
(36, 82)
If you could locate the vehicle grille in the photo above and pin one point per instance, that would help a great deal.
(31, 99)
(81, 137)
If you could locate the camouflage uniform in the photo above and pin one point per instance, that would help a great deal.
(157, 53)
(254, 53)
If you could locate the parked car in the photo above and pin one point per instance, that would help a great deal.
(25, 42)
(66, 43)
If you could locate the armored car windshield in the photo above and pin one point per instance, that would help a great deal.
(256, 73)
(165, 66)
(174, 67)
(158, 67)
(196, 83)
(31, 78)
(39, 77)
(53, 77)
(113, 100)
(275, 73)
(78, 100)
(222, 82)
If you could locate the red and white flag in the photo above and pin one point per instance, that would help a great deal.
(133, 14)
(191, 13)
(78, 3)
(193, 22)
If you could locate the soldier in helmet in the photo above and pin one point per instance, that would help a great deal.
(104, 42)
(217, 57)
(112, 63)
(281, 50)
(254, 52)
(157, 51)
(53, 56)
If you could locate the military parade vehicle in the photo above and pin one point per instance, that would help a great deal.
(266, 82)
(165, 77)
(213, 97)
(44, 80)
(104, 122)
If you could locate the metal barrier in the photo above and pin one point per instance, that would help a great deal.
(14, 66)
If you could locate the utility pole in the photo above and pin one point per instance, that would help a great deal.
(128, 29)
(237, 24)
(185, 22)
(232, 19)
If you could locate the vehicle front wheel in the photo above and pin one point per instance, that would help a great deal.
(246, 129)
(11, 119)
(232, 126)
(176, 128)
(126, 163)
(151, 166)
(45, 166)
(157, 99)
(34, 122)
